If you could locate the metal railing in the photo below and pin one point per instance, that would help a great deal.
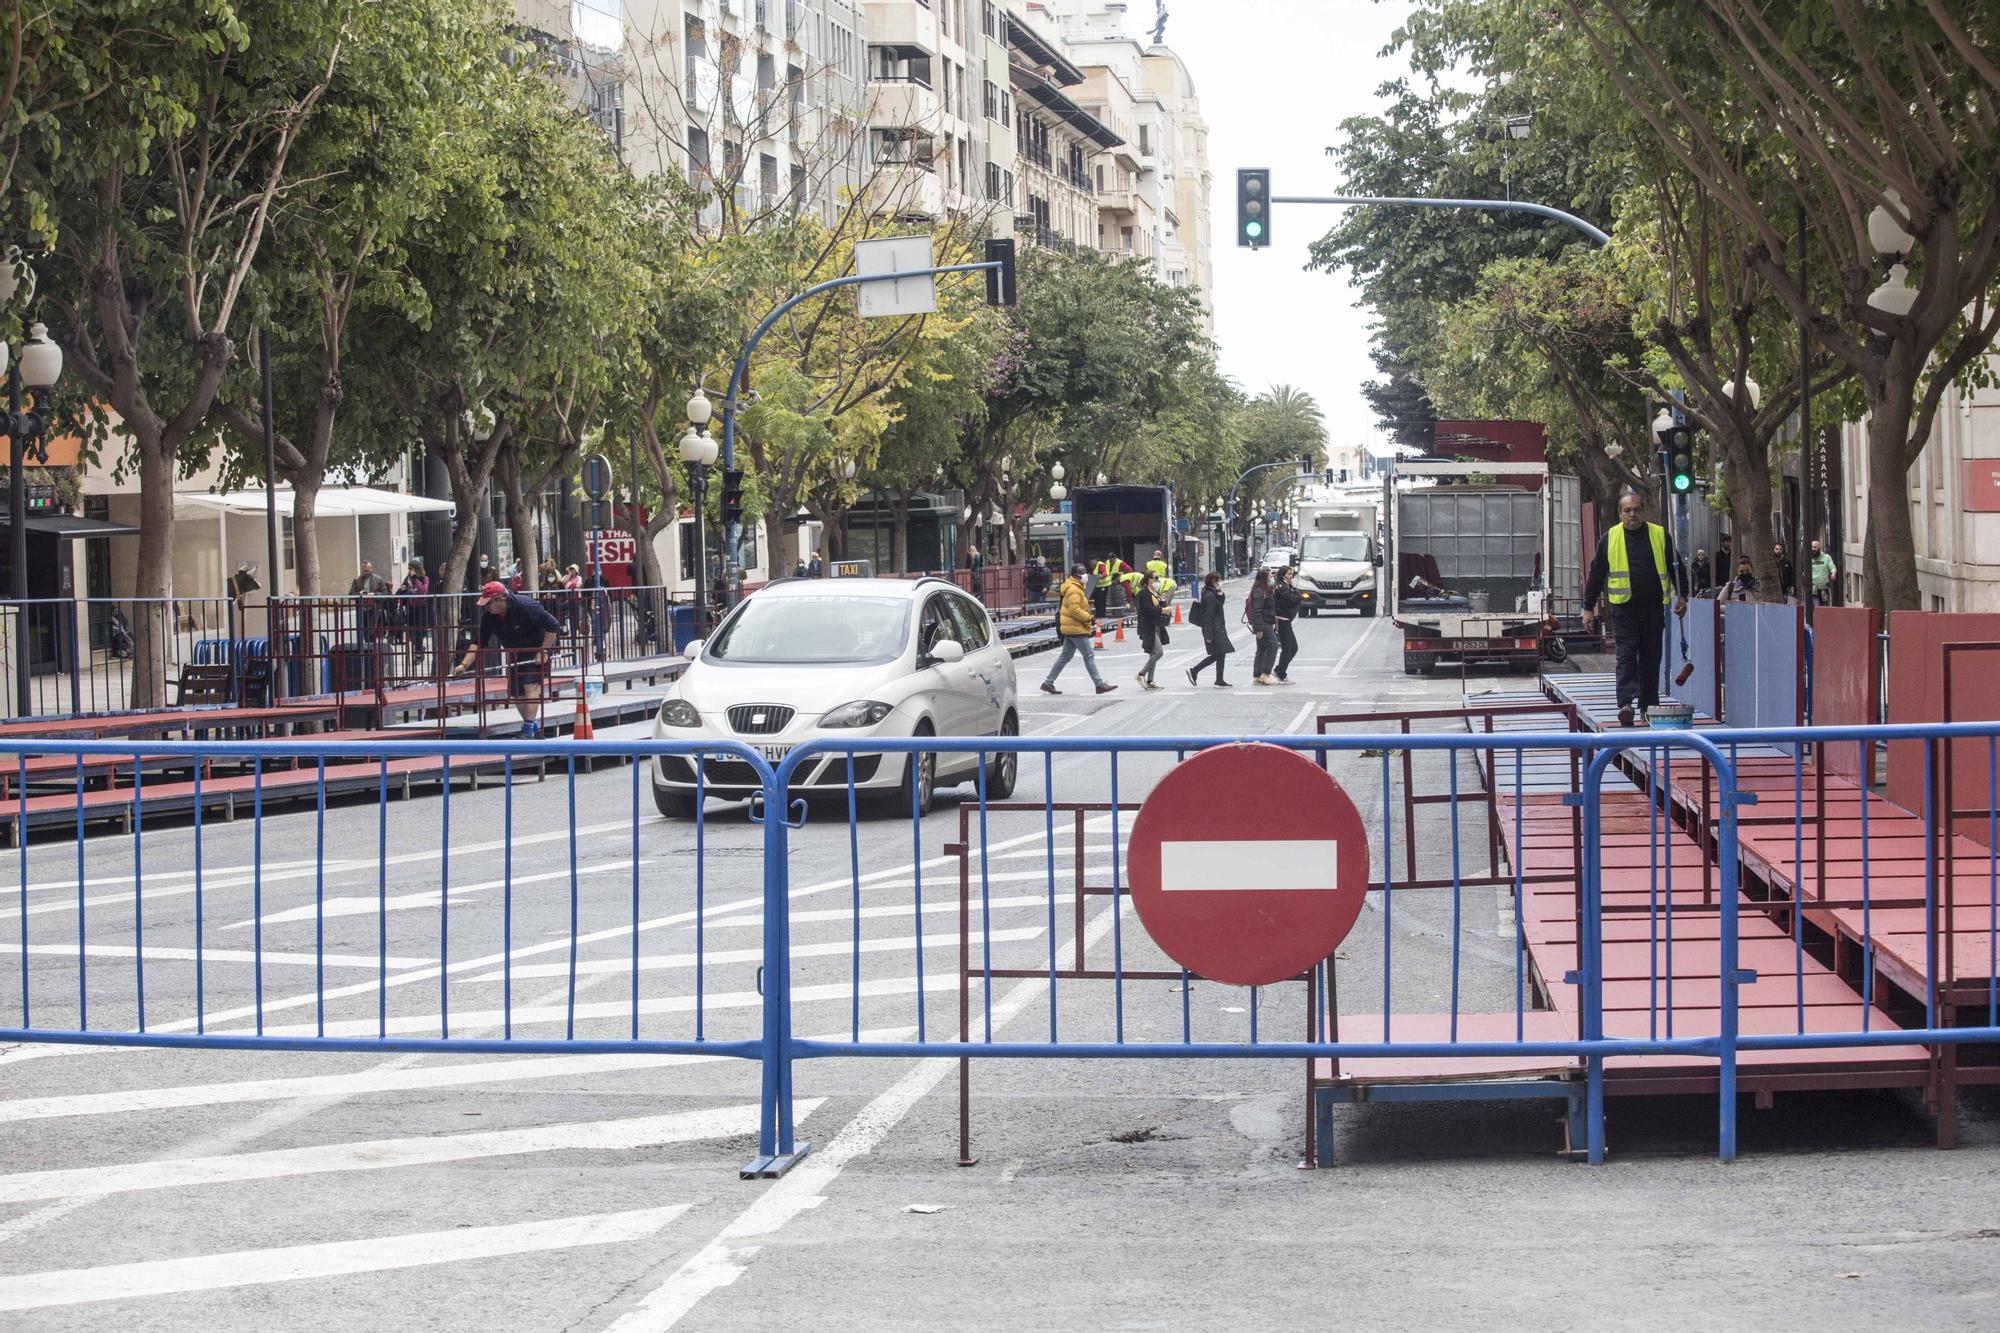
(104, 654)
(1624, 894)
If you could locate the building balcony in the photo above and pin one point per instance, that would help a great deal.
(904, 102)
(1124, 201)
(906, 189)
(901, 23)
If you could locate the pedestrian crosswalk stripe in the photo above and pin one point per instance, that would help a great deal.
(722, 957)
(210, 1272)
(378, 1154)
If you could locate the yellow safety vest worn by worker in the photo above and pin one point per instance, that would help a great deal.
(1618, 583)
(1163, 587)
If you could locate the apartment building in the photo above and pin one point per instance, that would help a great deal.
(1153, 199)
(758, 102)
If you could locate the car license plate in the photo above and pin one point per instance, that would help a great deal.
(774, 754)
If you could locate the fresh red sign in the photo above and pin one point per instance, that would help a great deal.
(1248, 864)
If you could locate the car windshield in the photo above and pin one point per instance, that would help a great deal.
(1334, 546)
(781, 631)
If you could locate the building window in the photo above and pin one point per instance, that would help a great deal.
(989, 21)
(1145, 141)
(697, 155)
(993, 181)
(798, 186)
(696, 45)
(992, 101)
(1006, 109)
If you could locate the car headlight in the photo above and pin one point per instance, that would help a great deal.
(679, 713)
(860, 713)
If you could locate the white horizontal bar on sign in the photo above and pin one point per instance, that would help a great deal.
(1283, 865)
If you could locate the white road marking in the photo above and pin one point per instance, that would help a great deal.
(210, 1272)
(718, 957)
(724, 1259)
(366, 1082)
(1309, 709)
(162, 953)
(1374, 623)
(380, 1154)
(891, 910)
(241, 880)
(363, 905)
(1268, 866)
(530, 1015)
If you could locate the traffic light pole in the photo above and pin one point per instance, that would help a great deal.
(1229, 507)
(1479, 205)
(733, 524)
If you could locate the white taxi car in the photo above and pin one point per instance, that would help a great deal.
(842, 660)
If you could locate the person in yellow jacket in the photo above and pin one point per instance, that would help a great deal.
(1637, 572)
(1074, 625)
(1163, 584)
(1105, 575)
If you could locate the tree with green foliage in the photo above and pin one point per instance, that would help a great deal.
(163, 191)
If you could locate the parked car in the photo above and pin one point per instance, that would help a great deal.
(1279, 557)
(845, 659)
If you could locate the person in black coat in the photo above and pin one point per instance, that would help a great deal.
(1285, 602)
(1152, 627)
(1211, 616)
(1264, 624)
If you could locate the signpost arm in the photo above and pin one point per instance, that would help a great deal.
(733, 532)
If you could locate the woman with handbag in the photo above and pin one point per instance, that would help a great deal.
(1209, 614)
(1152, 627)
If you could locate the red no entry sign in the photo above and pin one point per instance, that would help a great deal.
(1249, 864)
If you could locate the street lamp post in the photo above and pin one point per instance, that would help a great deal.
(30, 392)
(698, 451)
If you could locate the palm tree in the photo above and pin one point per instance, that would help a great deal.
(1293, 414)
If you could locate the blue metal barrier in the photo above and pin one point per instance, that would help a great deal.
(587, 917)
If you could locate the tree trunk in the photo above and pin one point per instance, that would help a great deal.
(1892, 578)
(305, 532)
(152, 612)
(899, 534)
(1755, 534)
(521, 518)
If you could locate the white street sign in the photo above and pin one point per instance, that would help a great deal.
(905, 296)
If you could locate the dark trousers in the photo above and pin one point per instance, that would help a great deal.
(1640, 633)
(1213, 659)
(1267, 654)
(1288, 647)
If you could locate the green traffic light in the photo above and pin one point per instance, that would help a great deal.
(1682, 481)
(1253, 229)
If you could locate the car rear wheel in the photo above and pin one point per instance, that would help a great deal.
(1003, 767)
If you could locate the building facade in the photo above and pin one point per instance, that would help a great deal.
(1154, 198)
(1954, 498)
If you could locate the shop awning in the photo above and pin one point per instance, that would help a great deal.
(68, 527)
(334, 502)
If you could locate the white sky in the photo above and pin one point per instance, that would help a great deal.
(1276, 78)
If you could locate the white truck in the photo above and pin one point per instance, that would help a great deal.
(1481, 560)
(1337, 555)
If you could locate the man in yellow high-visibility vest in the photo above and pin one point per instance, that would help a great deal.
(1637, 572)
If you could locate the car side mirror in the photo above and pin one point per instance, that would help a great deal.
(947, 651)
(693, 650)
(1376, 560)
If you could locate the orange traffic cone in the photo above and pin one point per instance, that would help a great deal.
(583, 731)
(1119, 637)
(1177, 613)
(1099, 645)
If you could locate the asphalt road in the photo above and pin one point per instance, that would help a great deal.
(159, 1189)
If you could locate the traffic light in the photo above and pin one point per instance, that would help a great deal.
(1000, 281)
(1253, 207)
(1677, 443)
(732, 495)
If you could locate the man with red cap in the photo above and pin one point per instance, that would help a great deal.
(525, 633)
